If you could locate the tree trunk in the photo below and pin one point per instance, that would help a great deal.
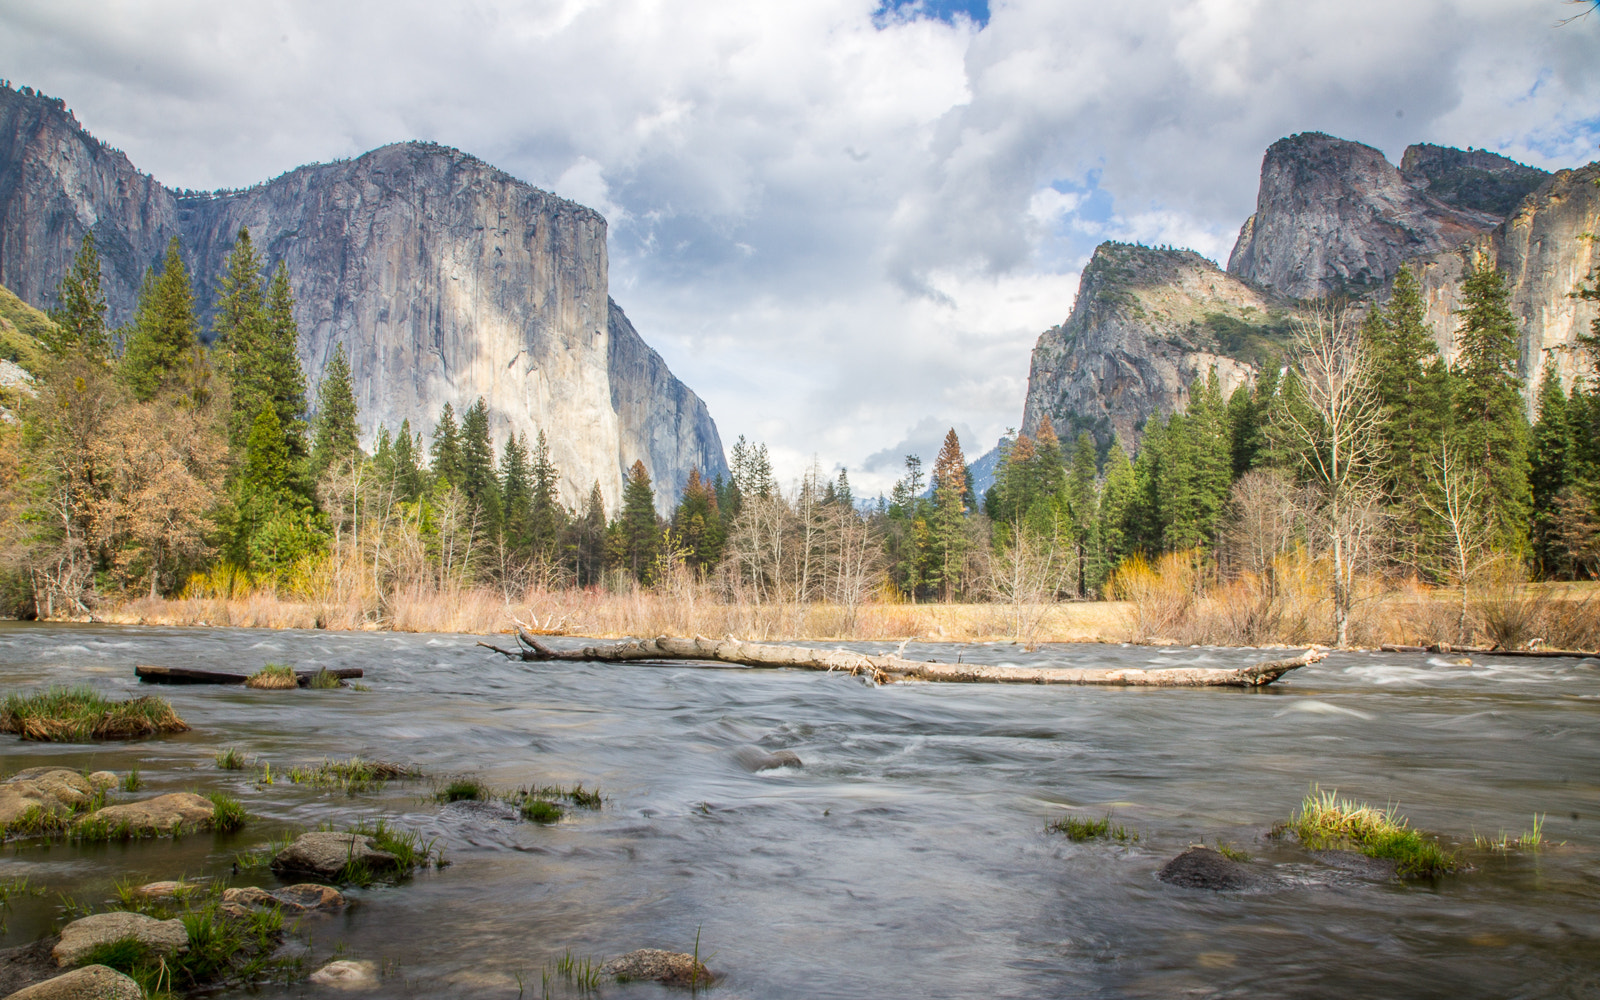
(885, 669)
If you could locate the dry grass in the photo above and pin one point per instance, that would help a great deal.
(77, 715)
(273, 677)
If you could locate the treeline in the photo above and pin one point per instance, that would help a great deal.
(150, 463)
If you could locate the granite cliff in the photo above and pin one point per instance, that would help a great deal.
(444, 278)
(1332, 217)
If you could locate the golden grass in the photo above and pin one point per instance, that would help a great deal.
(80, 714)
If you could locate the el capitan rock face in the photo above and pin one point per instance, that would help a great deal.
(444, 278)
(1335, 216)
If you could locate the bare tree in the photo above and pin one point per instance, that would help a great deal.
(1330, 415)
(1459, 503)
(1027, 573)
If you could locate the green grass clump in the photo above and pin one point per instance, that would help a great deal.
(80, 714)
(540, 810)
(408, 847)
(582, 973)
(37, 821)
(541, 803)
(273, 677)
(236, 951)
(1079, 829)
(324, 679)
(227, 814)
(132, 781)
(1530, 840)
(1327, 822)
(231, 759)
(1232, 853)
(463, 790)
(352, 776)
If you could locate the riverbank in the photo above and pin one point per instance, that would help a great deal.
(1166, 612)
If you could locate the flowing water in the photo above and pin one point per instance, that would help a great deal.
(908, 857)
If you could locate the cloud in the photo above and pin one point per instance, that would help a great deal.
(840, 219)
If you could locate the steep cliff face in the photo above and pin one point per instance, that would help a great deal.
(1545, 249)
(1472, 179)
(1146, 324)
(1335, 216)
(443, 278)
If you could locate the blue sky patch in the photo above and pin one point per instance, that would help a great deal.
(976, 11)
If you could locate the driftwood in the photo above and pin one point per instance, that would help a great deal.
(189, 675)
(1445, 647)
(884, 669)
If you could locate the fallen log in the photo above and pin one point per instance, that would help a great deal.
(189, 675)
(884, 669)
(1543, 654)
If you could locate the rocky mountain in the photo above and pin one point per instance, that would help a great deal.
(444, 278)
(1332, 217)
(1146, 324)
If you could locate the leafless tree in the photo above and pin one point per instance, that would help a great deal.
(1331, 417)
(1459, 504)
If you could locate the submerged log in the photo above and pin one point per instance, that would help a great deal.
(1443, 647)
(189, 675)
(885, 669)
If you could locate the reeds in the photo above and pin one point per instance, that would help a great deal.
(352, 776)
(80, 714)
(1327, 822)
(1079, 829)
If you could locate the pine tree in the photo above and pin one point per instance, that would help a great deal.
(516, 496)
(280, 361)
(1082, 504)
(949, 521)
(238, 329)
(1113, 540)
(477, 466)
(445, 455)
(1247, 421)
(1490, 421)
(408, 478)
(80, 313)
(1553, 460)
(337, 438)
(273, 526)
(639, 532)
(588, 546)
(697, 526)
(163, 344)
(546, 515)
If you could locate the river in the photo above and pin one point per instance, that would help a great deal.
(909, 856)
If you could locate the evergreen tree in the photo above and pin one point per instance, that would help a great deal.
(547, 517)
(638, 530)
(1082, 505)
(516, 496)
(948, 523)
(408, 478)
(445, 454)
(1489, 417)
(1112, 537)
(1553, 464)
(238, 329)
(906, 529)
(1247, 421)
(273, 527)
(589, 533)
(163, 354)
(80, 312)
(477, 466)
(697, 525)
(337, 438)
(280, 361)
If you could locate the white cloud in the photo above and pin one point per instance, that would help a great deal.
(836, 232)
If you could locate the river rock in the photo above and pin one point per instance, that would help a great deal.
(82, 936)
(1203, 868)
(159, 814)
(92, 982)
(347, 974)
(674, 968)
(68, 787)
(326, 855)
(757, 759)
(303, 897)
(104, 780)
(18, 797)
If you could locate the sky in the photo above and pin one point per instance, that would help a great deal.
(844, 223)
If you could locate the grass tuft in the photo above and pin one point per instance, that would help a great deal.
(231, 759)
(352, 776)
(540, 810)
(36, 821)
(227, 814)
(1327, 822)
(132, 781)
(1531, 840)
(463, 790)
(1232, 853)
(80, 714)
(406, 845)
(222, 949)
(273, 677)
(1079, 829)
(324, 679)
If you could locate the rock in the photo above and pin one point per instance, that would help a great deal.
(170, 889)
(27, 964)
(104, 781)
(1472, 179)
(654, 965)
(326, 855)
(756, 759)
(161, 814)
(83, 935)
(310, 896)
(1203, 868)
(92, 982)
(17, 798)
(379, 249)
(347, 974)
(67, 787)
(303, 897)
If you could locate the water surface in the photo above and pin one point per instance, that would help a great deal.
(909, 856)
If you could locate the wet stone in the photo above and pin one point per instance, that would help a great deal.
(756, 759)
(347, 974)
(92, 982)
(160, 814)
(82, 936)
(327, 854)
(1203, 868)
(655, 965)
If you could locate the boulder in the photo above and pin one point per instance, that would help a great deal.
(757, 759)
(27, 964)
(17, 797)
(165, 937)
(157, 815)
(248, 895)
(67, 787)
(92, 982)
(1203, 868)
(347, 974)
(302, 898)
(326, 855)
(674, 968)
(104, 780)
